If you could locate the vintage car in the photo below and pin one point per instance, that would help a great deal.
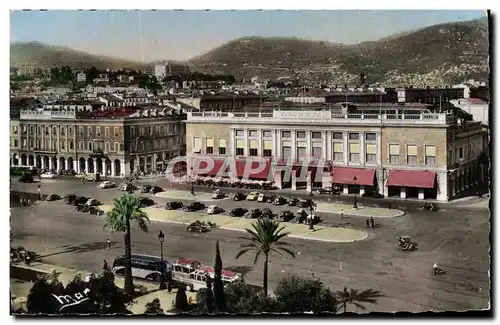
(238, 212)
(174, 205)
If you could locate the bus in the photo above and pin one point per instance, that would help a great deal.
(144, 267)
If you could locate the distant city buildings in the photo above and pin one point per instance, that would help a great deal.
(81, 77)
(163, 70)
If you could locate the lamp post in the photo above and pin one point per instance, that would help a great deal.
(355, 205)
(163, 285)
(192, 181)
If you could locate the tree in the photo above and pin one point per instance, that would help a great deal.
(296, 294)
(154, 308)
(220, 299)
(356, 298)
(125, 209)
(242, 298)
(181, 302)
(265, 237)
(108, 298)
(40, 299)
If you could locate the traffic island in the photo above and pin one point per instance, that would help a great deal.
(183, 195)
(360, 211)
(320, 233)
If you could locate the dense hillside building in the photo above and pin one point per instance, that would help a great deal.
(414, 154)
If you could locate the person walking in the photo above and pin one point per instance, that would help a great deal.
(367, 223)
(372, 222)
(28, 259)
(105, 267)
(342, 214)
(108, 242)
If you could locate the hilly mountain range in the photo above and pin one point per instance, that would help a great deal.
(438, 54)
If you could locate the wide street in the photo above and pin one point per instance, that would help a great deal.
(456, 239)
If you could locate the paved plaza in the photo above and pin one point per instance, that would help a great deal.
(456, 239)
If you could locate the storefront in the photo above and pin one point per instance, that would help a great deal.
(353, 180)
(412, 184)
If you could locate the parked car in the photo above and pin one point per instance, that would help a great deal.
(95, 211)
(195, 206)
(372, 193)
(82, 208)
(305, 203)
(321, 190)
(254, 213)
(267, 213)
(238, 212)
(53, 197)
(214, 209)
(271, 198)
(107, 184)
(239, 196)
(145, 188)
(26, 179)
(286, 216)
(262, 198)
(156, 189)
(48, 175)
(69, 198)
(174, 205)
(126, 187)
(92, 202)
(279, 200)
(218, 194)
(80, 200)
(293, 201)
(145, 202)
(252, 196)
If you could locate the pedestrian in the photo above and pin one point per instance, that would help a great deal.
(342, 214)
(372, 222)
(105, 267)
(28, 259)
(367, 223)
(435, 268)
(109, 243)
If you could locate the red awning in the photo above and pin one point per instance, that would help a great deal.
(411, 178)
(263, 175)
(345, 175)
(218, 163)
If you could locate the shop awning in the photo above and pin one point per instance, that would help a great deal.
(263, 175)
(218, 163)
(345, 175)
(412, 178)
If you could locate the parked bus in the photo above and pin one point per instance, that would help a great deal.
(143, 267)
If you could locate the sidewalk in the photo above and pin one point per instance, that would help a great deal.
(321, 233)
(360, 212)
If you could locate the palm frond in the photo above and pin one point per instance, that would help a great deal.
(243, 251)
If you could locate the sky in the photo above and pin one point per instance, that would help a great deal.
(179, 35)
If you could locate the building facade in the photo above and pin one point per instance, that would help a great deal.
(115, 142)
(427, 155)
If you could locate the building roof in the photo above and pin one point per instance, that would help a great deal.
(75, 102)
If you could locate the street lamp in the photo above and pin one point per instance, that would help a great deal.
(192, 181)
(355, 206)
(161, 238)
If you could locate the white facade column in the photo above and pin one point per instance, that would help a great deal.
(442, 186)
(379, 149)
(309, 181)
(361, 189)
(327, 145)
(362, 148)
(294, 146)
(403, 192)
(294, 180)
(76, 166)
(345, 189)
(277, 179)
(87, 167)
(95, 164)
(346, 147)
(50, 163)
(113, 168)
(421, 194)
(230, 145)
(276, 143)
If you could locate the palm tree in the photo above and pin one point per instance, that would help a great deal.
(126, 208)
(355, 298)
(264, 238)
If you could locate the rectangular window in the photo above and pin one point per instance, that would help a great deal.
(62, 145)
(461, 153)
(122, 147)
(253, 152)
(371, 153)
(240, 147)
(70, 130)
(353, 136)
(16, 143)
(222, 151)
(301, 152)
(430, 155)
(394, 153)
(411, 151)
(354, 152)
(71, 145)
(117, 145)
(286, 152)
(338, 136)
(210, 146)
(62, 131)
(222, 144)
(240, 151)
(253, 133)
(370, 136)
(196, 144)
(98, 131)
(286, 134)
(317, 152)
(80, 145)
(80, 130)
(301, 134)
(89, 146)
(267, 133)
(89, 131)
(316, 135)
(116, 132)
(338, 151)
(239, 133)
(267, 153)
(106, 146)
